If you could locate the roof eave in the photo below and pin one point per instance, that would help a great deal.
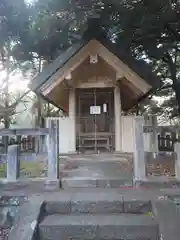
(48, 100)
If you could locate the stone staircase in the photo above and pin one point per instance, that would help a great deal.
(91, 206)
(100, 171)
(98, 215)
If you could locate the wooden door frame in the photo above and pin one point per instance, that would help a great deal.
(106, 137)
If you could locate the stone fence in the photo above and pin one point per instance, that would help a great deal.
(29, 140)
(161, 138)
(167, 164)
(13, 155)
(143, 163)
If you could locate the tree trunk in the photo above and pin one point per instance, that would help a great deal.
(176, 83)
(6, 94)
(39, 110)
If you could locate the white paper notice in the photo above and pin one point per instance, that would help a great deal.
(95, 110)
(104, 107)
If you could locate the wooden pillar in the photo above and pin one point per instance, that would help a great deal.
(139, 155)
(72, 117)
(118, 122)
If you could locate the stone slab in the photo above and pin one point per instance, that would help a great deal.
(52, 185)
(95, 182)
(99, 202)
(171, 192)
(129, 227)
(158, 183)
(78, 182)
(58, 203)
(168, 217)
(26, 220)
(113, 183)
(134, 203)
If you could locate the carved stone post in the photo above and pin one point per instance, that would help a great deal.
(53, 150)
(139, 156)
(177, 160)
(13, 163)
(154, 135)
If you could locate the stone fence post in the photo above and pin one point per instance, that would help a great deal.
(154, 140)
(139, 155)
(177, 160)
(13, 163)
(53, 149)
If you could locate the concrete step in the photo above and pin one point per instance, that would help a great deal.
(83, 227)
(97, 169)
(81, 182)
(95, 157)
(97, 202)
(109, 167)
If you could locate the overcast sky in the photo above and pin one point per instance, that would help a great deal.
(16, 82)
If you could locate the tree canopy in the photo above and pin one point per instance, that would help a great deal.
(149, 30)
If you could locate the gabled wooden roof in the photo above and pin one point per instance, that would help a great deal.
(53, 67)
(140, 68)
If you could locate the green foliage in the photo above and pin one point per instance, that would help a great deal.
(149, 30)
(34, 169)
(149, 214)
(152, 32)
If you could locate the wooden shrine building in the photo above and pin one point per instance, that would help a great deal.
(95, 82)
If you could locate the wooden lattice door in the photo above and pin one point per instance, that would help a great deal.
(95, 119)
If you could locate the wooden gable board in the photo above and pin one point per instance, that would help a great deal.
(103, 52)
(52, 68)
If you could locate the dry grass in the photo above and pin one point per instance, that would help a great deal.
(31, 169)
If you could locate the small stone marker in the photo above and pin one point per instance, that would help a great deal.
(13, 164)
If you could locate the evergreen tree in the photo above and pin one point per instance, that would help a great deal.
(148, 30)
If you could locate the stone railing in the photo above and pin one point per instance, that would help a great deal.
(12, 159)
(160, 138)
(153, 163)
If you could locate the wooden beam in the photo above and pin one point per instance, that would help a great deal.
(87, 72)
(72, 64)
(95, 47)
(119, 66)
(60, 96)
(125, 82)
